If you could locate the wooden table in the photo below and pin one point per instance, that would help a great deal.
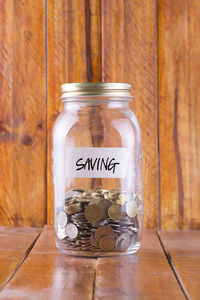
(166, 267)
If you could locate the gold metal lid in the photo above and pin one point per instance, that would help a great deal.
(70, 90)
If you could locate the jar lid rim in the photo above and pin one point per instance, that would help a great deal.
(96, 88)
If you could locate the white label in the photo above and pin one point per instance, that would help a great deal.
(96, 162)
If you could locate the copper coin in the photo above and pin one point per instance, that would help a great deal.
(107, 242)
(115, 212)
(94, 213)
(93, 240)
(103, 230)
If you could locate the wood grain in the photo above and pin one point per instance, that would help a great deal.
(14, 244)
(56, 276)
(6, 131)
(74, 55)
(129, 55)
(101, 41)
(178, 113)
(137, 276)
(24, 114)
(192, 186)
(47, 274)
(183, 250)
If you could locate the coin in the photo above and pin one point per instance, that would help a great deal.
(82, 200)
(113, 194)
(70, 200)
(105, 204)
(124, 245)
(87, 195)
(62, 219)
(94, 213)
(94, 201)
(115, 211)
(121, 199)
(71, 231)
(98, 220)
(73, 208)
(97, 195)
(78, 190)
(103, 230)
(100, 189)
(107, 242)
(134, 229)
(123, 241)
(61, 232)
(131, 209)
(93, 240)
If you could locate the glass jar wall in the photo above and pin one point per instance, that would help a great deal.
(98, 206)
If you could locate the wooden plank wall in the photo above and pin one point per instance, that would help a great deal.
(22, 113)
(154, 45)
(179, 113)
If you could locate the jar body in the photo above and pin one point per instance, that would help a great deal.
(97, 171)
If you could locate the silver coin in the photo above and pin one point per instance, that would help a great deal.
(61, 232)
(71, 231)
(131, 209)
(62, 219)
(123, 241)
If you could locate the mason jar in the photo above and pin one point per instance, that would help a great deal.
(97, 171)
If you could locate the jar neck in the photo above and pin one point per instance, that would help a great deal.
(109, 102)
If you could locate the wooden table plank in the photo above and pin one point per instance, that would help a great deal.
(47, 274)
(146, 275)
(183, 248)
(14, 243)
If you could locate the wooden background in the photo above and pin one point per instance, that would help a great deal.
(155, 45)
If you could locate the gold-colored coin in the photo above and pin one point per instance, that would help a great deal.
(107, 243)
(103, 230)
(100, 189)
(113, 194)
(78, 190)
(105, 204)
(87, 195)
(82, 200)
(70, 200)
(94, 201)
(115, 212)
(73, 208)
(121, 199)
(97, 195)
(94, 213)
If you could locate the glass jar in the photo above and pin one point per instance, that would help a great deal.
(97, 153)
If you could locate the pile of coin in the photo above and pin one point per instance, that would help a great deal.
(99, 220)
